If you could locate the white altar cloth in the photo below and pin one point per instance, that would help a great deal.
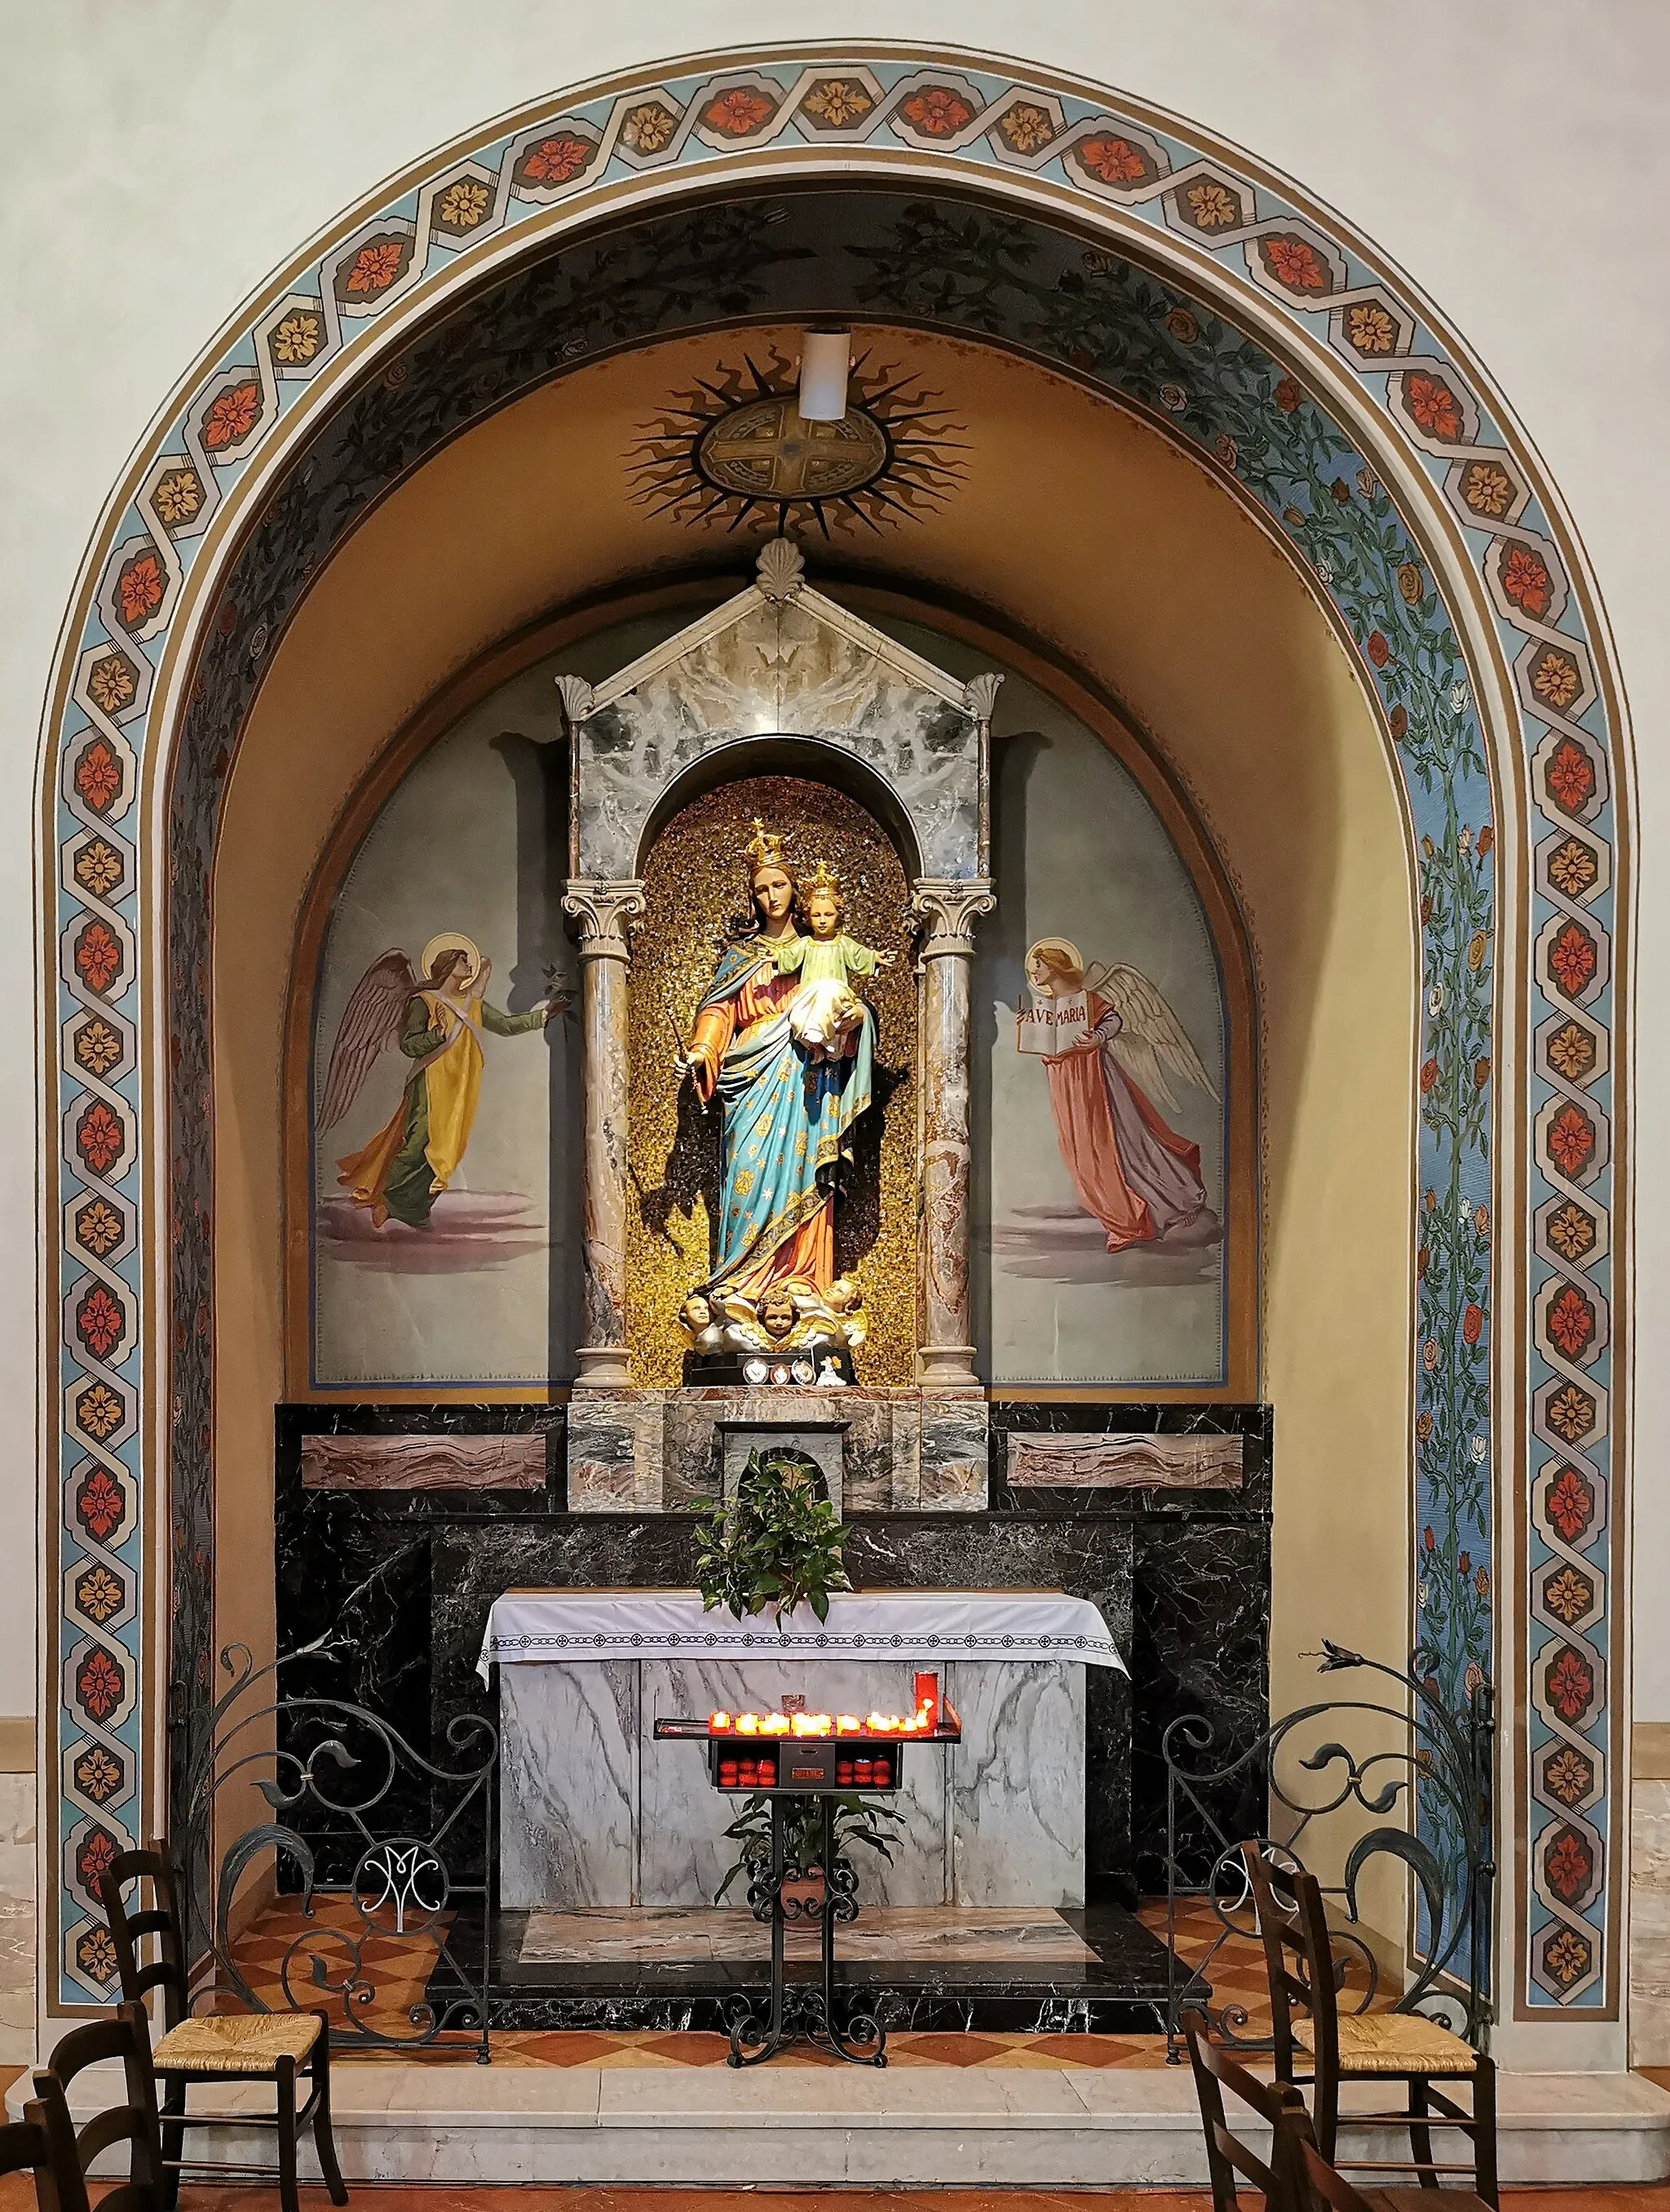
(570, 1626)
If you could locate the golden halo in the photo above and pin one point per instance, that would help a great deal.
(1066, 953)
(450, 940)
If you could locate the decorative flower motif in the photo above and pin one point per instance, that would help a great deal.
(1411, 584)
(1570, 1504)
(1291, 262)
(1571, 1139)
(97, 956)
(1211, 207)
(177, 497)
(1568, 1595)
(1573, 959)
(738, 113)
(1571, 1684)
(1423, 1427)
(464, 203)
(554, 160)
(1025, 128)
(98, 1228)
(1369, 328)
(98, 775)
(1487, 490)
(99, 1411)
(100, 1322)
(298, 338)
(1458, 699)
(231, 414)
(1571, 1321)
(1571, 1231)
(1572, 867)
(112, 683)
(1566, 1957)
(1477, 1449)
(1567, 1865)
(1568, 1777)
(98, 1048)
(98, 1777)
(1556, 678)
(98, 1505)
(1340, 492)
(1476, 952)
(1114, 161)
(1571, 1413)
(96, 1854)
(1226, 450)
(139, 589)
(1572, 1051)
(1288, 395)
(99, 1138)
(1422, 1261)
(1525, 581)
(937, 111)
(1481, 1073)
(1368, 483)
(1377, 649)
(98, 868)
(98, 1684)
(1486, 839)
(1428, 1073)
(95, 1955)
(1174, 398)
(837, 102)
(647, 129)
(1473, 1323)
(1433, 405)
(374, 267)
(1570, 778)
(1400, 726)
(99, 1596)
(1430, 1356)
(1182, 326)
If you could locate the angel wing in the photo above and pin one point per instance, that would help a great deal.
(1150, 1044)
(370, 1020)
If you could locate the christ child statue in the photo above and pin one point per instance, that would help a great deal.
(824, 1018)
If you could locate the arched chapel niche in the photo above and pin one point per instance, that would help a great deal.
(1245, 726)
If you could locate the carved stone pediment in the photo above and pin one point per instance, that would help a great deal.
(779, 659)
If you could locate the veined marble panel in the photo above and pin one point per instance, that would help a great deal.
(702, 1933)
(568, 1814)
(685, 1854)
(443, 1461)
(1017, 1785)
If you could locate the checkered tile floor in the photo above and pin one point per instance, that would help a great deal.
(397, 1968)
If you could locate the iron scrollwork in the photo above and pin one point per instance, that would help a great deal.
(795, 2011)
(1445, 1756)
(408, 1847)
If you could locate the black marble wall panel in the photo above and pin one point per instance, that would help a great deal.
(405, 1579)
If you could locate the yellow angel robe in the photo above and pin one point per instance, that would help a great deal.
(415, 1155)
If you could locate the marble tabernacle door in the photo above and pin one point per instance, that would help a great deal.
(594, 1813)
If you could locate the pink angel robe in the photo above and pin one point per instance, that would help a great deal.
(1138, 1178)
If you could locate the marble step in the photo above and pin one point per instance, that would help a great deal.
(907, 2127)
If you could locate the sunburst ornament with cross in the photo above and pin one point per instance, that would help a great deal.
(736, 448)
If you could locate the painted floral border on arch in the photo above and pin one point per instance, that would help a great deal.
(984, 124)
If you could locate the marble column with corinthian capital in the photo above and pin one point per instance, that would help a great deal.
(605, 913)
(947, 911)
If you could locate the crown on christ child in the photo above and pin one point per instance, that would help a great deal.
(824, 879)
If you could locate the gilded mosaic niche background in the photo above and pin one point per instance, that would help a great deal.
(696, 885)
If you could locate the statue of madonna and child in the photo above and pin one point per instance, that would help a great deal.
(786, 1047)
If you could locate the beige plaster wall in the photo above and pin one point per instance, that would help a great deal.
(1086, 528)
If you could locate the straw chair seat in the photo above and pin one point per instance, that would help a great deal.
(235, 2043)
(1393, 2043)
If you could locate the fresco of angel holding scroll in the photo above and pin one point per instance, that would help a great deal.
(1112, 1046)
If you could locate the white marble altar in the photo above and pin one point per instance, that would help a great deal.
(593, 1812)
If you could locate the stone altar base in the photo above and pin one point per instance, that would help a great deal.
(901, 1450)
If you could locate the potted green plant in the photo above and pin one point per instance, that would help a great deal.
(776, 1546)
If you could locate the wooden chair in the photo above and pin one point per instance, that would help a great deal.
(68, 2151)
(23, 2149)
(1277, 2104)
(1363, 2047)
(263, 2046)
(1322, 2180)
